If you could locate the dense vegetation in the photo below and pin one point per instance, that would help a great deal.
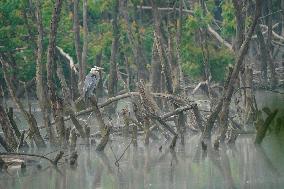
(18, 34)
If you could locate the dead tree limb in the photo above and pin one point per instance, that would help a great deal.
(69, 59)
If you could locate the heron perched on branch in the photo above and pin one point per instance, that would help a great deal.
(91, 82)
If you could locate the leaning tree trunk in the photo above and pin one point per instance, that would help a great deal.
(7, 129)
(40, 89)
(228, 92)
(238, 65)
(34, 130)
(112, 83)
(67, 104)
(53, 98)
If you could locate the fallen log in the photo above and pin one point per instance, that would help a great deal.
(114, 99)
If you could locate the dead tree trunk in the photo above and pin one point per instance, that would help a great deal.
(7, 129)
(10, 114)
(282, 18)
(98, 114)
(156, 75)
(100, 88)
(112, 83)
(76, 30)
(135, 42)
(263, 55)
(40, 89)
(85, 41)
(238, 65)
(34, 130)
(68, 104)
(55, 101)
(5, 145)
(271, 64)
(160, 42)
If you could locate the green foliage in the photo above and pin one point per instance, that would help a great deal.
(192, 57)
(199, 19)
(15, 30)
(229, 21)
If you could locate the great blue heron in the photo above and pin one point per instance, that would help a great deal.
(91, 82)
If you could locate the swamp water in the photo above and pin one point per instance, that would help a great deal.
(241, 166)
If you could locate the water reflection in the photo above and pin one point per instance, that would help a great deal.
(242, 166)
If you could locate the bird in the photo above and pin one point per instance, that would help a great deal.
(91, 81)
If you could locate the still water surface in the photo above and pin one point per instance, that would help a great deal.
(241, 166)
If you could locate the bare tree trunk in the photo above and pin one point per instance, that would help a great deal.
(112, 83)
(10, 114)
(7, 129)
(76, 29)
(55, 101)
(98, 114)
(67, 106)
(238, 65)
(85, 42)
(178, 42)
(35, 134)
(282, 18)
(156, 75)
(100, 88)
(40, 89)
(264, 54)
(139, 56)
(160, 42)
(271, 64)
